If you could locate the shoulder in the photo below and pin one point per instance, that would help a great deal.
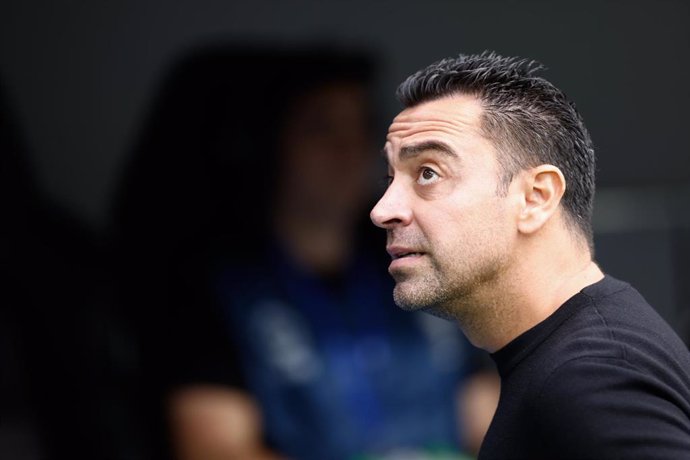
(614, 323)
(617, 381)
(606, 407)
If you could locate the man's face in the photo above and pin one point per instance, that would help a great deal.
(449, 230)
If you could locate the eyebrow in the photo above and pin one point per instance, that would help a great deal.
(411, 151)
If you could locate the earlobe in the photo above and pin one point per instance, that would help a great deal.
(543, 188)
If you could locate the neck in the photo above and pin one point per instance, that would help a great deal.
(533, 287)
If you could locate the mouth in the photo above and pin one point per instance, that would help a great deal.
(406, 254)
(404, 260)
(399, 252)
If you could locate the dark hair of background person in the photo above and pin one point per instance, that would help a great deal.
(199, 186)
(207, 154)
(530, 121)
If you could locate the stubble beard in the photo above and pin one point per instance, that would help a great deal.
(454, 292)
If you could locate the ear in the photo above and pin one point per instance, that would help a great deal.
(543, 188)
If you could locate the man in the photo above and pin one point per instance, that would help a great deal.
(488, 217)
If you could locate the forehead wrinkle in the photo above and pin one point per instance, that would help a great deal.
(454, 121)
(458, 113)
(430, 133)
(453, 125)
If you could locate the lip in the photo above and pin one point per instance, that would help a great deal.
(402, 255)
(399, 252)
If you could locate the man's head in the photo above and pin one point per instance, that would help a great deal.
(482, 147)
(528, 119)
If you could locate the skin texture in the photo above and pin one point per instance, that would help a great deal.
(446, 205)
(496, 262)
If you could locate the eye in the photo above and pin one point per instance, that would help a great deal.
(427, 176)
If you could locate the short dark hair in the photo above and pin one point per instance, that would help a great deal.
(529, 120)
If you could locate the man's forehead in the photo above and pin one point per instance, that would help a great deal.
(453, 106)
(453, 116)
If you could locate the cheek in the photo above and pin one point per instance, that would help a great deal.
(442, 227)
(452, 227)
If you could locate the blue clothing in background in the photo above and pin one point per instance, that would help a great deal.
(337, 368)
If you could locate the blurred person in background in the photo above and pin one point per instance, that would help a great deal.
(268, 323)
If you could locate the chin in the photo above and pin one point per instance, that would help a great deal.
(424, 297)
(410, 297)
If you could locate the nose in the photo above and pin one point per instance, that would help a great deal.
(392, 210)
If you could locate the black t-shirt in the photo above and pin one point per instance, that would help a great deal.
(604, 377)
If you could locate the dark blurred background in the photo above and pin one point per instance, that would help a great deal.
(81, 81)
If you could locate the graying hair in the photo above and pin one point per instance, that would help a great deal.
(529, 120)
